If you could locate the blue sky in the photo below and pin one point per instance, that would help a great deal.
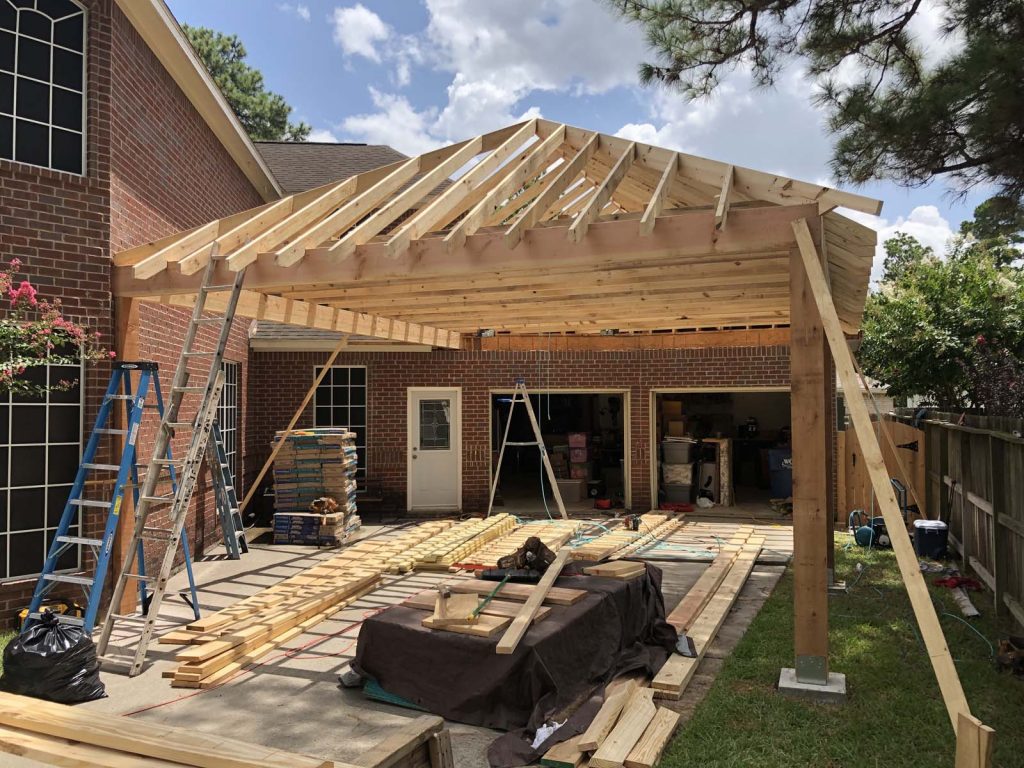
(420, 73)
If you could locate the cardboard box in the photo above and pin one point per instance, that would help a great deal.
(580, 471)
(578, 455)
(572, 490)
(672, 409)
(578, 439)
(676, 428)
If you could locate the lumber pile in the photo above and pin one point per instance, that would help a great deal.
(439, 553)
(55, 734)
(310, 465)
(553, 533)
(219, 648)
(629, 730)
(619, 542)
(705, 615)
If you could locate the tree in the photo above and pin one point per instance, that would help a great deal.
(896, 118)
(902, 252)
(263, 114)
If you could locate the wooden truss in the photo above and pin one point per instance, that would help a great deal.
(551, 229)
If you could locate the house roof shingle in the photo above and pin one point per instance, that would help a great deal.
(299, 166)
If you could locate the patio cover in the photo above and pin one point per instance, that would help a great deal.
(535, 228)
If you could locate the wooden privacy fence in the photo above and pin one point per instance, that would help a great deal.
(974, 479)
(906, 463)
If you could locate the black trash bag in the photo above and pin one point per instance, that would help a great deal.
(52, 661)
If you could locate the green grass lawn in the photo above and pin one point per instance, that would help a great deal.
(5, 637)
(894, 714)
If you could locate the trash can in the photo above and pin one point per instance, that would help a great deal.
(780, 468)
(931, 538)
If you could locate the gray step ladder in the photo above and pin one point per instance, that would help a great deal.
(168, 536)
(228, 512)
(520, 395)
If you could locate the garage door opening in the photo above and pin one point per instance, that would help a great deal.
(730, 447)
(585, 436)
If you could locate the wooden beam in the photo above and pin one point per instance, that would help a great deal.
(404, 200)
(565, 175)
(657, 202)
(197, 238)
(521, 623)
(974, 743)
(636, 716)
(432, 216)
(578, 229)
(280, 310)
(259, 220)
(128, 346)
(606, 716)
(871, 453)
(648, 750)
(811, 521)
(722, 206)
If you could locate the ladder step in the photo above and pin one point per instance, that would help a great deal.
(213, 288)
(208, 320)
(66, 579)
(106, 431)
(157, 534)
(140, 577)
(80, 540)
(157, 499)
(534, 443)
(199, 354)
(102, 467)
(134, 618)
(90, 503)
(180, 424)
(168, 462)
(120, 397)
(196, 390)
(75, 621)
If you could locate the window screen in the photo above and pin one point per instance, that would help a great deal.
(40, 448)
(42, 83)
(341, 402)
(227, 417)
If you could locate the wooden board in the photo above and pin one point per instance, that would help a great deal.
(607, 716)
(401, 742)
(65, 753)
(505, 608)
(454, 609)
(522, 622)
(696, 598)
(633, 722)
(519, 592)
(648, 750)
(565, 755)
(484, 626)
(618, 569)
(149, 739)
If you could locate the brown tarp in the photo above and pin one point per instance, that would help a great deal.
(618, 627)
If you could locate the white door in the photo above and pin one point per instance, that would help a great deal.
(435, 441)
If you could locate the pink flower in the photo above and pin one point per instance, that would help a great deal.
(15, 263)
(25, 292)
(112, 354)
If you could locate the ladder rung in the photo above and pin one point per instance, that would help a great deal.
(66, 579)
(134, 617)
(62, 618)
(180, 424)
(116, 661)
(120, 397)
(107, 431)
(168, 462)
(217, 288)
(157, 534)
(157, 499)
(103, 467)
(189, 389)
(140, 577)
(199, 354)
(90, 503)
(208, 320)
(80, 540)
(535, 443)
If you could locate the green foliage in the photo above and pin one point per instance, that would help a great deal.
(897, 119)
(263, 114)
(922, 327)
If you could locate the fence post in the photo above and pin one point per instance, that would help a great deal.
(945, 513)
(997, 466)
(965, 530)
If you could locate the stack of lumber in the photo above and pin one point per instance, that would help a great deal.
(222, 644)
(552, 533)
(440, 552)
(385, 554)
(657, 531)
(629, 730)
(702, 612)
(618, 569)
(55, 734)
(311, 464)
(621, 541)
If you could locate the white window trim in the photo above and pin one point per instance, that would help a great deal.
(366, 420)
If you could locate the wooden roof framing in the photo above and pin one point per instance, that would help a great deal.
(552, 229)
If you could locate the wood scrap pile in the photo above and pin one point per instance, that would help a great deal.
(440, 552)
(621, 541)
(552, 533)
(225, 642)
(55, 734)
(629, 730)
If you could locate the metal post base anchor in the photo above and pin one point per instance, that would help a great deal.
(812, 680)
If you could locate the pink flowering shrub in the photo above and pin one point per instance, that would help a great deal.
(34, 332)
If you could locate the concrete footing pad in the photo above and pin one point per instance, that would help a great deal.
(834, 692)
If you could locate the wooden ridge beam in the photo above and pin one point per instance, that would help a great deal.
(261, 306)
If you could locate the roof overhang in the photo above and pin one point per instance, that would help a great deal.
(162, 33)
(554, 229)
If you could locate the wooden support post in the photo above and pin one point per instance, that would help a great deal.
(920, 599)
(997, 468)
(811, 525)
(127, 347)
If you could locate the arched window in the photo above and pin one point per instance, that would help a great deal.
(42, 83)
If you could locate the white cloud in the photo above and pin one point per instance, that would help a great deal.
(323, 135)
(358, 30)
(300, 10)
(395, 123)
(924, 223)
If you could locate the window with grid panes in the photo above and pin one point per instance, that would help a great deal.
(227, 416)
(42, 83)
(40, 448)
(340, 401)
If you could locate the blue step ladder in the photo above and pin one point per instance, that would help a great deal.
(69, 530)
(224, 492)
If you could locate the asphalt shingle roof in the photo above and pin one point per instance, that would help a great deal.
(299, 166)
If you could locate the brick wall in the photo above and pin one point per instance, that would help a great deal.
(279, 380)
(168, 173)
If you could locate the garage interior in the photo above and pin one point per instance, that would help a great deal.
(584, 434)
(730, 447)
